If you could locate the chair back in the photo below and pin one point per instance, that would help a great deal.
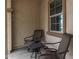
(38, 35)
(64, 45)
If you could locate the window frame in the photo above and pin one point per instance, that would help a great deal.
(56, 33)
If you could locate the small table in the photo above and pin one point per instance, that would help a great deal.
(35, 46)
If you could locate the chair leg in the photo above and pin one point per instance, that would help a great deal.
(32, 54)
(36, 55)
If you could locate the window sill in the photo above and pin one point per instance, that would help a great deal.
(55, 34)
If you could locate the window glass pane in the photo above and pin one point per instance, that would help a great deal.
(58, 27)
(58, 2)
(57, 23)
(52, 19)
(58, 9)
(52, 8)
(52, 12)
(52, 27)
(55, 7)
(52, 4)
(58, 19)
(58, 6)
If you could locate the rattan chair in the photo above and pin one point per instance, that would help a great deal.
(38, 35)
(62, 49)
(35, 43)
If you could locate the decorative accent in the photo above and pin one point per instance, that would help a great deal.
(9, 10)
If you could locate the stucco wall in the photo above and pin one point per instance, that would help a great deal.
(9, 36)
(69, 24)
(25, 19)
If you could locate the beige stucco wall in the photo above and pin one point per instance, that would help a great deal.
(69, 16)
(69, 24)
(25, 20)
(8, 3)
(9, 31)
(9, 36)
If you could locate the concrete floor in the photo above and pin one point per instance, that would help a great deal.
(21, 53)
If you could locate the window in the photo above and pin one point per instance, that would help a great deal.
(57, 19)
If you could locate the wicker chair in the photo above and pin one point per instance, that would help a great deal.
(62, 49)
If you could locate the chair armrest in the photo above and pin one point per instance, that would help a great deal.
(48, 50)
(52, 43)
(51, 49)
(28, 37)
(63, 52)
